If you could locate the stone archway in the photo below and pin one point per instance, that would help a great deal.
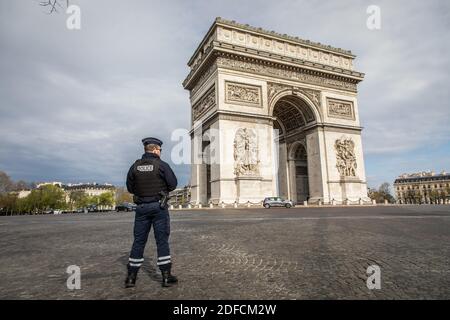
(299, 160)
(205, 171)
(292, 115)
(243, 83)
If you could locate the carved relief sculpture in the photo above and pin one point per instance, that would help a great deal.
(243, 94)
(246, 162)
(274, 88)
(345, 157)
(302, 76)
(211, 69)
(205, 104)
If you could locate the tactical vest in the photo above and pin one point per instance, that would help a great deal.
(147, 180)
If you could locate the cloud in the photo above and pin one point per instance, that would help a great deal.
(75, 104)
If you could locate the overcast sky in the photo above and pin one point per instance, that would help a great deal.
(74, 104)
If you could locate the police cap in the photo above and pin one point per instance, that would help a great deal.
(151, 140)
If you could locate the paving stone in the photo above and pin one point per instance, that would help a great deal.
(298, 253)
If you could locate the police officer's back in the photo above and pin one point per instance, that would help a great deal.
(148, 179)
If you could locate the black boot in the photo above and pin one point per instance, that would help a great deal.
(168, 279)
(130, 281)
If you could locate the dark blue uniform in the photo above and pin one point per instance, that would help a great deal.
(145, 177)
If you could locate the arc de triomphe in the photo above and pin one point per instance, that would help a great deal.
(273, 115)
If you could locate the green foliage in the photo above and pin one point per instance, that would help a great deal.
(106, 199)
(46, 198)
(383, 193)
(78, 200)
(434, 195)
(7, 203)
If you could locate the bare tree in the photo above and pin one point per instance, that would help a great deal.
(122, 195)
(53, 4)
(383, 193)
(6, 184)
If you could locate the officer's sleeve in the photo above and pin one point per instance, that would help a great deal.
(130, 180)
(168, 175)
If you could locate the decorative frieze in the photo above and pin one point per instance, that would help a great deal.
(340, 109)
(280, 72)
(239, 93)
(345, 157)
(274, 88)
(206, 103)
(210, 70)
(283, 46)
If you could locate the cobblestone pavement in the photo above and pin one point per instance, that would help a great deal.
(298, 253)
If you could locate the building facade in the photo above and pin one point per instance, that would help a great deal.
(273, 115)
(423, 188)
(54, 183)
(180, 196)
(90, 189)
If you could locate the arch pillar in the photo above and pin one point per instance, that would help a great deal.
(292, 180)
(317, 174)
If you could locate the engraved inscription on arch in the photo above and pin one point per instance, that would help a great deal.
(340, 109)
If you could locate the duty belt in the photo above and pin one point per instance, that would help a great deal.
(139, 200)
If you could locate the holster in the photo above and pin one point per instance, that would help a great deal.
(164, 199)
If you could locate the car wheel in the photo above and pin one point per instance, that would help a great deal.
(267, 206)
(288, 205)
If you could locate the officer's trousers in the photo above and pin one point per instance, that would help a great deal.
(148, 214)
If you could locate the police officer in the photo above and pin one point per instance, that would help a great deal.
(146, 179)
